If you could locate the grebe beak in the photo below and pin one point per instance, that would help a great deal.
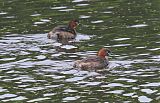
(109, 52)
(77, 23)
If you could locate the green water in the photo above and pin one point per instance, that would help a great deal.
(35, 69)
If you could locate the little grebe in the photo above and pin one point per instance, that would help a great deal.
(64, 31)
(94, 62)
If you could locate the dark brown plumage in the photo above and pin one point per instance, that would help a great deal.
(64, 31)
(94, 62)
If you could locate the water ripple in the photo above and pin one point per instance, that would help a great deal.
(82, 4)
(84, 16)
(116, 92)
(60, 7)
(35, 15)
(71, 98)
(2, 89)
(67, 10)
(126, 79)
(70, 91)
(113, 85)
(128, 94)
(121, 45)
(3, 13)
(49, 94)
(97, 21)
(7, 96)
(137, 26)
(74, 79)
(79, 0)
(148, 91)
(121, 39)
(37, 99)
(156, 84)
(144, 99)
(19, 98)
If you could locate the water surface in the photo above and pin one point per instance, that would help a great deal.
(36, 69)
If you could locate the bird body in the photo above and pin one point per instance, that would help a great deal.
(64, 31)
(94, 62)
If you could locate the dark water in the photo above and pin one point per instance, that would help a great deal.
(35, 69)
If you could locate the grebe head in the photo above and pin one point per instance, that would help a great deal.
(103, 52)
(73, 24)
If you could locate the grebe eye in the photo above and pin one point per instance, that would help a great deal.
(109, 51)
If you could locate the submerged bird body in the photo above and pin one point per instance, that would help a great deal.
(64, 31)
(94, 62)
